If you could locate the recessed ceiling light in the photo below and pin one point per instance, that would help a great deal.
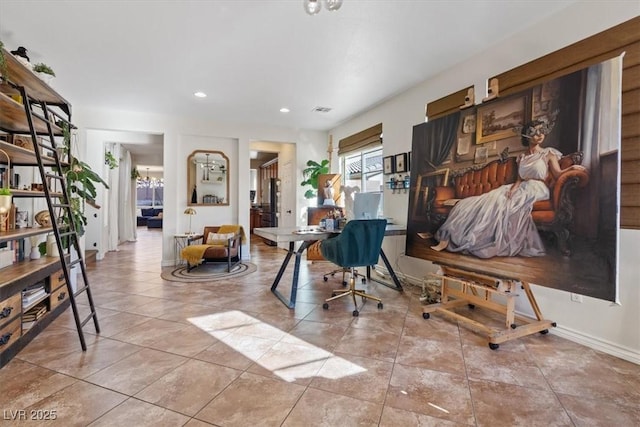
(284, 110)
(200, 95)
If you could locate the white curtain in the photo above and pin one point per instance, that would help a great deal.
(126, 225)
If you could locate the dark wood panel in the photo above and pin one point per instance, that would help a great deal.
(630, 217)
(630, 195)
(447, 104)
(630, 149)
(630, 78)
(629, 172)
(630, 126)
(631, 101)
(609, 42)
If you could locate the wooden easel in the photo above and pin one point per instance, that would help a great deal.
(477, 289)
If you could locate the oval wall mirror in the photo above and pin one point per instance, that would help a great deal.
(208, 178)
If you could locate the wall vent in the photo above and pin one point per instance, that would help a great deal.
(321, 109)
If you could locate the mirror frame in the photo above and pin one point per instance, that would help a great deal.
(192, 178)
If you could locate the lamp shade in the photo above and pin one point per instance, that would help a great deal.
(189, 211)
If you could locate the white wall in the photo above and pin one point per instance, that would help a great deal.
(182, 136)
(613, 328)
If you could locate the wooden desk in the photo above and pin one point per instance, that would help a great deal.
(309, 236)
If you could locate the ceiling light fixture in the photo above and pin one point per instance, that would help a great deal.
(284, 110)
(200, 95)
(312, 7)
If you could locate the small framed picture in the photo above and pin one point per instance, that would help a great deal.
(388, 165)
(401, 162)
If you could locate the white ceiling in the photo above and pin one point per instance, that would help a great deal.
(254, 57)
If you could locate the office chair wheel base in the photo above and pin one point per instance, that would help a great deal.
(380, 306)
(356, 313)
(425, 316)
(325, 306)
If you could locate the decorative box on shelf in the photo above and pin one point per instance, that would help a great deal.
(6, 258)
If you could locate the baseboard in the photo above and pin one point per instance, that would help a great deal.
(598, 344)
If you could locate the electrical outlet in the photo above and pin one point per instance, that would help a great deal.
(576, 297)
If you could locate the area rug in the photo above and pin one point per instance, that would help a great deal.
(207, 272)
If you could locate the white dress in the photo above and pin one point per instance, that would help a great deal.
(491, 224)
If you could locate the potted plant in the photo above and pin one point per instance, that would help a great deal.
(5, 200)
(43, 71)
(311, 173)
(81, 183)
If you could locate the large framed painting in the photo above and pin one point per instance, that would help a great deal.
(535, 196)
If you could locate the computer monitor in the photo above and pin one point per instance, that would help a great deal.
(365, 205)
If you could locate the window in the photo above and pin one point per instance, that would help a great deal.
(149, 192)
(363, 169)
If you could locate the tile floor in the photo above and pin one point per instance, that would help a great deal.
(230, 354)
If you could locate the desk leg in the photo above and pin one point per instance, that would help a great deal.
(291, 302)
(398, 286)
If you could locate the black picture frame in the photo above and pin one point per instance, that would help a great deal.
(401, 162)
(388, 165)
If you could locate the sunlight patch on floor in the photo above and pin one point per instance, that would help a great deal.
(290, 359)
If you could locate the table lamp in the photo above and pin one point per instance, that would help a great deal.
(191, 212)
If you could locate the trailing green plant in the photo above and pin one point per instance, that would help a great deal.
(81, 183)
(3, 61)
(311, 174)
(5, 192)
(110, 160)
(43, 68)
(135, 174)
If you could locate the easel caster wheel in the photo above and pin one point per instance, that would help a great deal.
(380, 306)
(544, 331)
(325, 306)
(325, 278)
(471, 306)
(356, 313)
(554, 324)
(493, 346)
(513, 326)
(426, 315)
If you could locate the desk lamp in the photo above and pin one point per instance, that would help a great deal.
(191, 212)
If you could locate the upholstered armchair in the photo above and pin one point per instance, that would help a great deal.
(554, 215)
(221, 244)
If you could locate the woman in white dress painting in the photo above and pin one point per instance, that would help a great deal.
(499, 223)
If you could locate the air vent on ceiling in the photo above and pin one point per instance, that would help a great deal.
(321, 110)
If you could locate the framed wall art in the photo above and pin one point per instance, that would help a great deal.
(500, 119)
(401, 162)
(388, 165)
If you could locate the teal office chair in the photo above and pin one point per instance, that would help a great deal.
(358, 245)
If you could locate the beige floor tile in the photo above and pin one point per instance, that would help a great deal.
(433, 393)
(24, 384)
(142, 414)
(392, 417)
(135, 372)
(192, 385)
(231, 354)
(511, 405)
(76, 405)
(374, 344)
(595, 413)
(271, 403)
(354, 376)
(321, 408)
